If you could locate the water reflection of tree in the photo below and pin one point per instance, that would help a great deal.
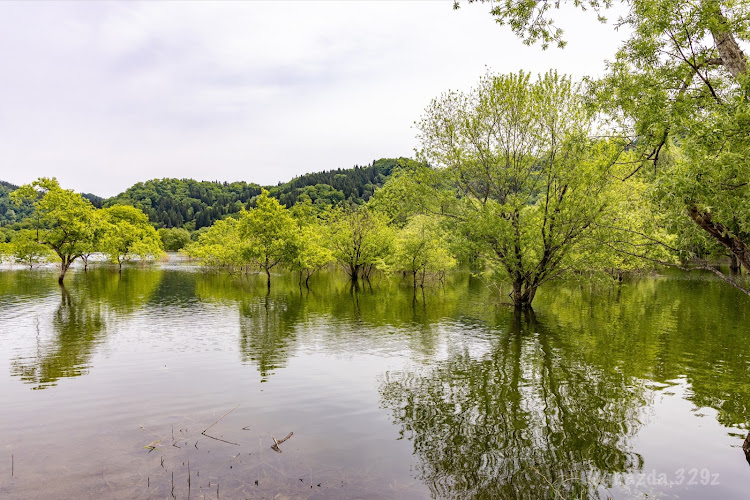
(664, 329)
(529, 419)
(79, 324)
(267, 331)
(340, 316)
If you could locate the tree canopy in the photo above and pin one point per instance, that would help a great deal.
(63, 220)
(528, 182)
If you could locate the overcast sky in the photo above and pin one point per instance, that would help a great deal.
(103, 95)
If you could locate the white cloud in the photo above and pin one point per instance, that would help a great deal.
(103, 95)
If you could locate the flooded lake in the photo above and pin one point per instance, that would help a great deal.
(168, 382)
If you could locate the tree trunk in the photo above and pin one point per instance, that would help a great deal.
(730, 53)
(64, 265)
(523, 294)
(354, 272)
(268, 278)
(734, 265)
(722, 234)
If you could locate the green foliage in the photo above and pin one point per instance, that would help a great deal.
(192, 205)
(678, 90)
(219, 246)
(530, 21)
(63, 220)
(128, 234)
(6, 234)
(421, 250)
(359, 239)
(409, 191)
(356, 184)
(268, 233)
(528, 182)
(310, 253)
(10, 212)
(174, 239)
(26, 250)
(635, 231)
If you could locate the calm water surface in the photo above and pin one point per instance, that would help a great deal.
(636, 391)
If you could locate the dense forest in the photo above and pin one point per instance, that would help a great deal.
(328, 188)
(185, 202)
(190, 204)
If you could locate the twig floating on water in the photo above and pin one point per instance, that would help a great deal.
(219, 439)
(275, 446)
(227, 413)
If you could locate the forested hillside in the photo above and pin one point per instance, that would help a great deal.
(9, 212)
(196, 204)
(186, 202)
(356, 184)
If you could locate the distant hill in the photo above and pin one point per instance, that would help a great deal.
(9, 212)
(354, 184)
(195, 204)
(186, 202)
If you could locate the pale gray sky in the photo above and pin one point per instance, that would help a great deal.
(103, 95)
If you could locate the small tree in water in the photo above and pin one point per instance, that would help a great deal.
(127, 234)
(63, 220)
(268, 233)
(359, 240)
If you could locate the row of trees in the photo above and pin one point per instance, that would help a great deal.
(65, 226)
(519, 177)
(529, 179)
(521, 191)
(306, 238)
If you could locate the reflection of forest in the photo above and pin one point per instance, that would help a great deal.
(80, 321)
(358, 319)
(528, 419)
(657, 329)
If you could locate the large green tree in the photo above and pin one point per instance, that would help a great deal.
(63, 220)
(679, 90)
(528, 182)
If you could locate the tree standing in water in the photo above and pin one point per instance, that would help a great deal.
(63, 220)
(527, 180)
(268, 232)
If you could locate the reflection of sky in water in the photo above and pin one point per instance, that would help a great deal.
(685, 447)
(123, 361)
